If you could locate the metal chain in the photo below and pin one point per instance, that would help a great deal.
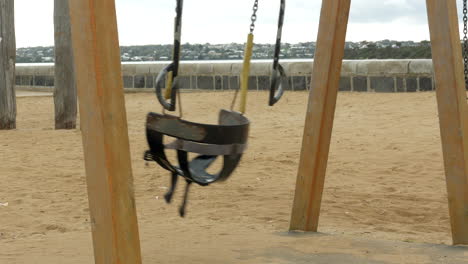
(465, 40)
(254, 16)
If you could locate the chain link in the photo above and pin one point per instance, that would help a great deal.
(465, 40)
(254, 16)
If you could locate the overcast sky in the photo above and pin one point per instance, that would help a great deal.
(223, 21)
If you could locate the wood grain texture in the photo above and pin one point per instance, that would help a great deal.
(452, 105)
(104, 131)
(320, 115)
(65, 86)
(7, 65)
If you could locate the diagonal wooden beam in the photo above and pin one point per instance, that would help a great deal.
(104, 131)
(453, 115)
(320, 113)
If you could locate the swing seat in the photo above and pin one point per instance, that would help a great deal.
(227, 139)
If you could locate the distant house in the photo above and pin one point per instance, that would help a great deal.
(47, 59)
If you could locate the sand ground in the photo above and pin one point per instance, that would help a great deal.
(384, 201)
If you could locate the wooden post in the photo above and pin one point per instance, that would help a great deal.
(65, 86)
(104, 130)
(7, 65)
(320, 114)
(453, 115)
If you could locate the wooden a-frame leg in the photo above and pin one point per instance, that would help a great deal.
(453, 115)
(320, 113)
(104, 131)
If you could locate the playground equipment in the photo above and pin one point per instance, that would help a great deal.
(105, 136)
(278, 75)
(451, 99)
(227, 139)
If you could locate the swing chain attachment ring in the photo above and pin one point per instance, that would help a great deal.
(161, 82)
(168, 77)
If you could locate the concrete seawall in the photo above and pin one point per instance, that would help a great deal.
(356, 75)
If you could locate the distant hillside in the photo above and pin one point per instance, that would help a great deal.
(385, 49)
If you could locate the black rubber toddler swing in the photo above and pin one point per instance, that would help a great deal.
(227, 139)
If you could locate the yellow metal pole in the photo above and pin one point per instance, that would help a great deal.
(246, 72)
(168, 90)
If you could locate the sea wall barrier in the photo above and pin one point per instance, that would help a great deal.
(356, 75)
